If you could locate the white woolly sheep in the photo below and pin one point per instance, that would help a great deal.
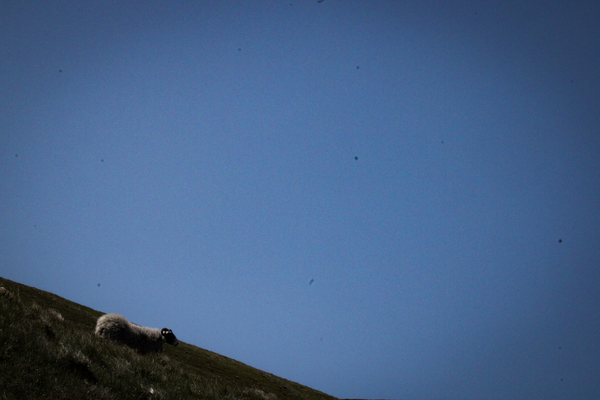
(140, 338)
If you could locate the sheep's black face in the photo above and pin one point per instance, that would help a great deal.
(169, 336)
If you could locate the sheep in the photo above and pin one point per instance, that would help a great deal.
(140, 338)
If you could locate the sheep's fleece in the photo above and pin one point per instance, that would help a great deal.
(145, 340)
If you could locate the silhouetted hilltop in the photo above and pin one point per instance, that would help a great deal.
(48, 350)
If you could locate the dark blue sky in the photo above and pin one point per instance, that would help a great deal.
(375, 199)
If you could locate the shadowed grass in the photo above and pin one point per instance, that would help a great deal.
(48, 351)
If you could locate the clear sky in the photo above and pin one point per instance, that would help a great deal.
(374, 199)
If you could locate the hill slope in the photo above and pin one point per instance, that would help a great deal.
(48, 351)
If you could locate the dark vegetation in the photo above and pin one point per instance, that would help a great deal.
(48, 351)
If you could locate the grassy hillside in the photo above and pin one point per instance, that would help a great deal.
(48, 351)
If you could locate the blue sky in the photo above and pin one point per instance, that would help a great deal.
(374, 199)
